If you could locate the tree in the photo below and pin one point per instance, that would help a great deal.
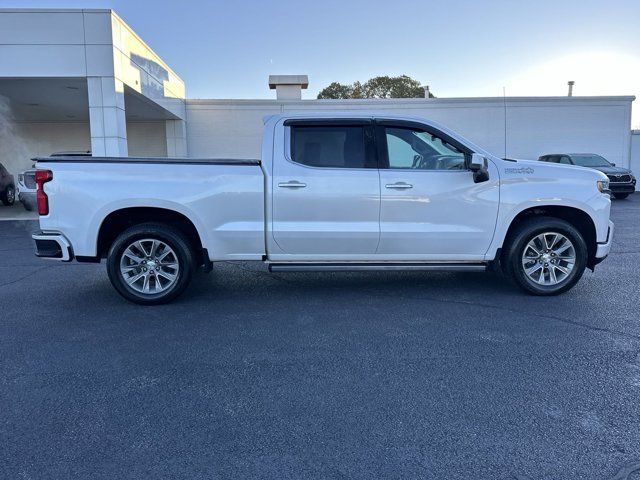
(376, 87)
(336, 90)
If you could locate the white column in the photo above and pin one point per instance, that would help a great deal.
(176, 138)
(108, 124)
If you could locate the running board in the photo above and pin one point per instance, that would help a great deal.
(367, 267)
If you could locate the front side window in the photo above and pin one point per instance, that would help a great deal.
(411, 148)
(566, 160)
(330, 146)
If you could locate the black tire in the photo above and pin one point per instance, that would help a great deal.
(164, 233)
(8, 197)
(512, 259)
(621, 196)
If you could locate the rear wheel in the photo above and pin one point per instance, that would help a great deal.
(150, 264)
(621, 196)
(546, 256)
(8, 197)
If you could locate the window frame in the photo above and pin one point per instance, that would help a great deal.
(383, 152)
(370, 151)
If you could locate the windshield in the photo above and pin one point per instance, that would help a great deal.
(590, 161)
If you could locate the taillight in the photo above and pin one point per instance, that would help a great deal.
(42, 177)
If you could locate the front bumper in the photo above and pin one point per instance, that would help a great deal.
(53, 246)
(622, 187)
(603, 249)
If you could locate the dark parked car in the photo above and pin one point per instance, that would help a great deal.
(622, 182)
(7, 187)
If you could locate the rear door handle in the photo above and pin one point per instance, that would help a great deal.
(399, 185)
(292, 184)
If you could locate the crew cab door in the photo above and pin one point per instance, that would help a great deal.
(431, 208)
(326, 189)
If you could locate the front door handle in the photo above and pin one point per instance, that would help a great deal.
(399, 185)
(292, 184)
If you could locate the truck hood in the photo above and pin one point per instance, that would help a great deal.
(536, 168)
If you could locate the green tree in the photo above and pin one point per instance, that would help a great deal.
(336, 90)
(376, 87)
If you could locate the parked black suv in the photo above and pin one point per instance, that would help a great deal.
(622, 183)
(7, 187)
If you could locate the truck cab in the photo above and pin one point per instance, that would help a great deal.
(376, 189)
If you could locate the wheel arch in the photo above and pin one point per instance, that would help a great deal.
(578, 218)
(119, 220)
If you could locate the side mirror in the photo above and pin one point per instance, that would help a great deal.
(480, 168)
(613, 164)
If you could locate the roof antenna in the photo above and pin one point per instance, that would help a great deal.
(504, 100)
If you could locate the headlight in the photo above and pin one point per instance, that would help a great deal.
(603, 186)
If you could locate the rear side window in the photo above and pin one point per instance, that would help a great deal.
(330, 146)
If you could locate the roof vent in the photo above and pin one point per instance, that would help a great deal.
(288, 87)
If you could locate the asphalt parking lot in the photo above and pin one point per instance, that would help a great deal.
(318, 375)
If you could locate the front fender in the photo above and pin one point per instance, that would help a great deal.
(574, 195)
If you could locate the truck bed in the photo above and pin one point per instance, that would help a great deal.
(222, 198)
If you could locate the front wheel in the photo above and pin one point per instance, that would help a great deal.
(8, 197)
(546, 256)
(150, 264)
(621, 196)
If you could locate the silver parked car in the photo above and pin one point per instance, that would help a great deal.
(27, 189)
(27, 181)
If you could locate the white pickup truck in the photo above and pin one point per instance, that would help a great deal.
(332, 192)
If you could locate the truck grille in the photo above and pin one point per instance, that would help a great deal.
(30, 180)
(619, 178)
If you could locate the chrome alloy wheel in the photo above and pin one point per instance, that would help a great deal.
(149, 266)
(548, 258)
(11, 195)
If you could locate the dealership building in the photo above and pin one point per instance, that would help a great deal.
(76, 79)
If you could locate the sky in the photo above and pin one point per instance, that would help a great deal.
(460, 48)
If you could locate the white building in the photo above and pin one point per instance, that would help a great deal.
(634, 160)
(83, 80)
